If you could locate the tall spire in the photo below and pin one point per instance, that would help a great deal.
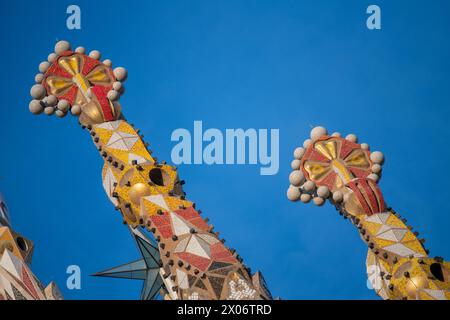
(195, 263)
(347, 174)
(17, 281)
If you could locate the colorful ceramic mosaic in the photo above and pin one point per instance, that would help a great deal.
(193, 262)
(17, 282)
(329, 167)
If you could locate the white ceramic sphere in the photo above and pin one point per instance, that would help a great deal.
(306, 143)
(373, 177)
(39, 77)
(352, 137)
(75, 110)
(296, 177)
(117, 85)
(60, 114)
(336, 134)
(80, 50)
(318, 201)
(63, 105)
(338, 196)
(61, 46)
(323, 192)
(35, 107)
(38, 91)
(305, 198)
(293, 193)
(43, 66)
(120, 73)
(107, 62)
(49, 110)
(318, 132)
(51, 100)
(295, 164)
(299, 152)
(52, 57)
(309, 186)
(95, 54)
(376, 168)
(113, 95)
(377, 157)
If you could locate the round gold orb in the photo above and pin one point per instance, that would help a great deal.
(137, 191)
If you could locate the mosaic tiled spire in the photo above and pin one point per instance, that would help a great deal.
(346, 173)
(17, 281)
(194, 262)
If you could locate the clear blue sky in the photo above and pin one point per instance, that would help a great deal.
(233, 64)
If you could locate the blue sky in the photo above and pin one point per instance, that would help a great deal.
(287, 65)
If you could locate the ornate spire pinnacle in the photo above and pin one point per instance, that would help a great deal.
(195, 262)
(71, 81)
(17, 281)
(329, 167)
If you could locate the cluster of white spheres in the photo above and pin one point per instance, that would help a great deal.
(307, 191)
(300, 188)
(377, 158)
(117, 89)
